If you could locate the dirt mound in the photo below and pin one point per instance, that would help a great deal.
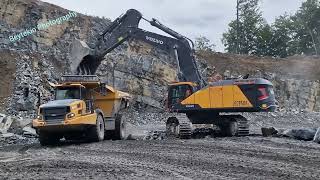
(297, 67)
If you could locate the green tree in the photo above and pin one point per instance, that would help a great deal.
(202, 43)
(253, 33)
(263, 43)
(299, 33)
(288, 35)
(307, 28)
(282, 35)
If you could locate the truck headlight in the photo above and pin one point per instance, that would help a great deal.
(39, 117)
(71, 115)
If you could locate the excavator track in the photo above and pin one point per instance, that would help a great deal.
(243, 126)
(185, 129)
(179, 126)
(233, 125)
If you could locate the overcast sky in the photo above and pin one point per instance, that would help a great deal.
(191, 18)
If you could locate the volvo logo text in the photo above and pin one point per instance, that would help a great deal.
(154, 40)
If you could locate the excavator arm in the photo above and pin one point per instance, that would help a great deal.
(126, 27)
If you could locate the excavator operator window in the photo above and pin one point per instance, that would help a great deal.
(178, 93)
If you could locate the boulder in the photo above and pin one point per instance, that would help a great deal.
(2, 116)
(19, 124)
(5, 123)
(316, 137)
(268, 131)
(131, 137)
(300, 134)
(29, 132)
(7, 135)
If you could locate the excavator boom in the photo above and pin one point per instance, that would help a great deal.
(126, 27)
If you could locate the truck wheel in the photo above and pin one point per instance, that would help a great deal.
(120, 131)
(96, 133)
(48, 139)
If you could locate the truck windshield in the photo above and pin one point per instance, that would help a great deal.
(67, 93)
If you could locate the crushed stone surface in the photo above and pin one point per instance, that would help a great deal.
(151, 155)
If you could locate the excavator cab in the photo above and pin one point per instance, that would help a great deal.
(177, 92)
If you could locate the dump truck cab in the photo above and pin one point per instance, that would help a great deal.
(83, 107)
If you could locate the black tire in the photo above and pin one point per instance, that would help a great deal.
(109, 134)
(229, 128)
(46, 139)
(96, 132)
(120, 131)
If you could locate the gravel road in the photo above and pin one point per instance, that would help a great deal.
(251, 157)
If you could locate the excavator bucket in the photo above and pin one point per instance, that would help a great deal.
(83, 58)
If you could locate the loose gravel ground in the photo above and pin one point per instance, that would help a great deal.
(252, 157)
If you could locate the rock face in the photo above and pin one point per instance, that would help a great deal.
(44, 56)
(298, 94)
(40, 57)
(140, 69)
(7, 72)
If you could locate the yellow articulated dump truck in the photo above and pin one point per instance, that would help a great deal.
(83, 108)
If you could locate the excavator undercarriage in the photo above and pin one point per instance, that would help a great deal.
(226, 125)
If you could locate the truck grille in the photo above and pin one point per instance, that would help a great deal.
(54, 115)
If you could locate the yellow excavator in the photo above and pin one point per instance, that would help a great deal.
(192, 99)
(83, 108)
